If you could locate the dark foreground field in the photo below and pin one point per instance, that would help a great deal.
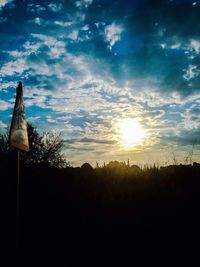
(81, 214)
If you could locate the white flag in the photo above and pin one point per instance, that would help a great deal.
(18, 129)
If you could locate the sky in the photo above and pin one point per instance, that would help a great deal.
(92, 69)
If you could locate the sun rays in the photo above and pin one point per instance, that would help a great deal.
(131, 132)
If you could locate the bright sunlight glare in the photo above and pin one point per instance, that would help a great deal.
(131, 132)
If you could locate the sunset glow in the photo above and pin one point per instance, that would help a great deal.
(132, 133)
(111, 76)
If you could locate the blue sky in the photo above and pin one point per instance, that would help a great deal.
(86, 65)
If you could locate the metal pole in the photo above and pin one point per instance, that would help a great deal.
(18, 162)
(18, 208)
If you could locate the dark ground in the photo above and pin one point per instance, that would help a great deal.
(72, 215)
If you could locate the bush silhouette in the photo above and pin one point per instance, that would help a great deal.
(86, 166)
(44, 149)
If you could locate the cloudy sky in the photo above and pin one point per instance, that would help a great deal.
(88, 66)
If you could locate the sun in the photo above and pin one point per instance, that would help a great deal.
(131, 132)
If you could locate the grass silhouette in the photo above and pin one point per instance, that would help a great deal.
(76, 210)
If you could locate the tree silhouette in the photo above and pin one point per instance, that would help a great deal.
(116, 165)
(4, 143)
(44, 149)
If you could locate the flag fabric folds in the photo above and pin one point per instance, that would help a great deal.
(18, 130)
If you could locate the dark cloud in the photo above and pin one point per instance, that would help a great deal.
(90, 140)
(97, 141)
(184, 138)
(148, 25)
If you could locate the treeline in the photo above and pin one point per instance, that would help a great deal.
(67, 211)
(82, 212)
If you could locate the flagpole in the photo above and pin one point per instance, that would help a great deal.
(18, 162)
(18, 139)
(18, 183)
(18, 207)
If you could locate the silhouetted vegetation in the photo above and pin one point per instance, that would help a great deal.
(80, 212)
(45, 148)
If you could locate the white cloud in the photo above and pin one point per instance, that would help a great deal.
(37, 100)
(19, 65)
(57, 48)
(38, 21)
(190, 47)
(35, 8)
(163, 45)
(194, 3)
(74, 35)
(3, 125)
(191, 118)
(4, 2)
(5, 85)
(55, 7)
(84, 3)
(78, 90)
(48, 40)
(191, 72)
(5, 105)
(113, 34)
(63, 23)
(175, 46)
(85, 27)
(31, 47)
(195, 44)
(56, 51)
(49, 119)
(33, 118)
(13, 67)
(15, 53)
(98, 24)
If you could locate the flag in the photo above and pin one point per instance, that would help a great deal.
(18, 130)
